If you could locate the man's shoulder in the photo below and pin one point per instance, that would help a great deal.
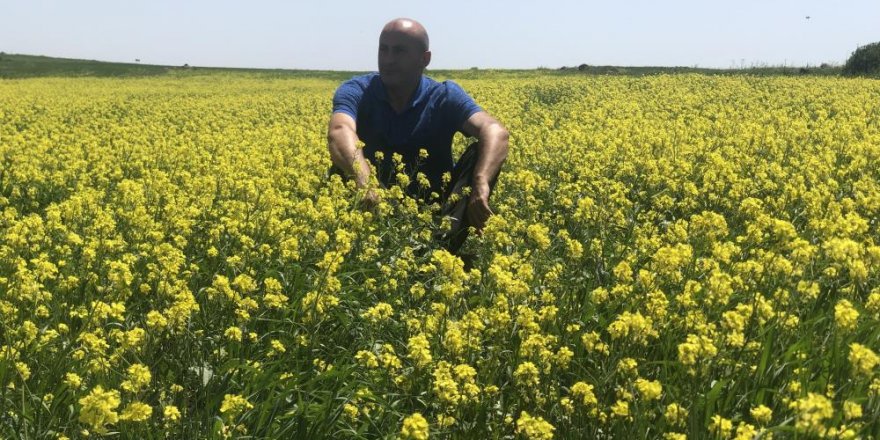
(355, 92)
(450, 91)
(361, 82)
(442, 89)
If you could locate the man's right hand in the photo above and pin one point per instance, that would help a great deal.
(370, 201)
(342, 142)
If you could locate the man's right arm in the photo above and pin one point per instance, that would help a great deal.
(342, 142)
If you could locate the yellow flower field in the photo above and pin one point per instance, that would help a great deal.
(672, 257)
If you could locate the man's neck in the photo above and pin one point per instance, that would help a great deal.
(399, 97)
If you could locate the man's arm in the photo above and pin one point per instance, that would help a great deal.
(342, 142)
(492, 137)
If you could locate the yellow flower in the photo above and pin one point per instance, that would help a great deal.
(276, 348)
(594, 344)
(465, 375)
(762, 414)
(526, 375)
(419, 350)
(633, 326)
(233, 334)
(563, 357)
(566, 405)
(584, 393)
(171, 413)
(155, 320)
(72, 380)
(675, 414)
(273, 299)
(620, 409)
(23, 370)
(414, 427)
(862, 359)
(378, 313)
(696, 348)
(136, 412)
(133, 339)
(812, 412)
(367, 359)
(628, 366)
(138, 377)
(351, 411)
(845, 315)
(539, 234)
(720, 426)
(744, 431)
(444, 386)
(98, 409)
(649, 389)
(534, 428)
(315, 304)
(851, 410)
(445, 421)
(233, 405)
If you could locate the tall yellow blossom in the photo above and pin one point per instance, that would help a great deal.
(415, 427)
(98, 409)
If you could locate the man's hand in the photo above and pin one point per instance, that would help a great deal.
(493, 138)
(342, 142)
(478, 210)
(371, 200)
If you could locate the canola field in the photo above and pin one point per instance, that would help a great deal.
(671, 257)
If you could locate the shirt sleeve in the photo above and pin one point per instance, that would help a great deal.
(459, 104)
(348, 97)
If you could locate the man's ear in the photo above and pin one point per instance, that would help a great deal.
(426, 58)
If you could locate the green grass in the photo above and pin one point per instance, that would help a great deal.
(27, 66)
(23, 66)
(760, 70)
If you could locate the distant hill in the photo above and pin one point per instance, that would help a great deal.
(27, 66)
(23, 66)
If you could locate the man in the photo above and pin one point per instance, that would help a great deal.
(402, 111)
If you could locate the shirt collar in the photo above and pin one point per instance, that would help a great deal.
(418, 96)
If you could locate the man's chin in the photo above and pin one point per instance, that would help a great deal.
(389, 79)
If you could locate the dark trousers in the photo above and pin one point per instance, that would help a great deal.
(462, 177)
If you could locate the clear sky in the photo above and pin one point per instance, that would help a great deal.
(343, 35)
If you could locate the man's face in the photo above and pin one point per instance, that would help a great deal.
(401, 58)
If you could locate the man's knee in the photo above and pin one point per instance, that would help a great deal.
(462, 173)
(334, 170)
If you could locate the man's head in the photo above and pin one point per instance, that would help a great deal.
(403, 52)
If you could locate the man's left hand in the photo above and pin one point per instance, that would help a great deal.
(478, 210)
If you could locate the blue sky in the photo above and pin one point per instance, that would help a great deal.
(343, 35)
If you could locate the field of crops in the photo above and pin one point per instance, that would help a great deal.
(672, 257)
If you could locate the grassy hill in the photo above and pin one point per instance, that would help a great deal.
(23, 66)
(26, 66)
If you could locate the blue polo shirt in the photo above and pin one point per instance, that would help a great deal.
(435, 113)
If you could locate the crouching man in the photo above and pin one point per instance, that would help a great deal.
(401, 111)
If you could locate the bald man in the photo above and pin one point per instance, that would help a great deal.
(401, 111)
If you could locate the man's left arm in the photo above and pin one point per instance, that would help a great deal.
(492, 137)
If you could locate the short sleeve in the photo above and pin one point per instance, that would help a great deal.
(459, 104)
(348, 97)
